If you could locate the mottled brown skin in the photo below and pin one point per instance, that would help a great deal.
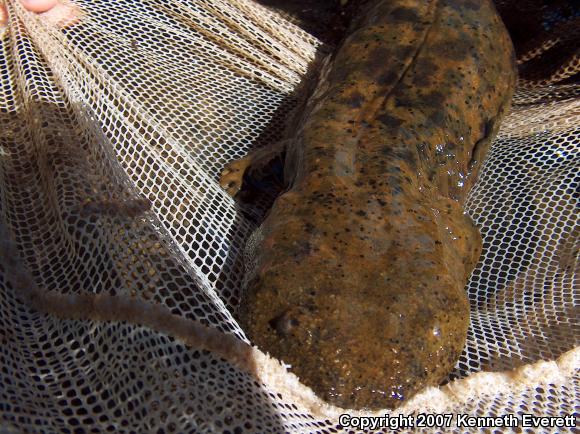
(359, 268)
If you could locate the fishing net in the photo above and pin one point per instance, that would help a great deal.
(121, 258)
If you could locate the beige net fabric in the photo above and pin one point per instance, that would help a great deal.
(117, 241)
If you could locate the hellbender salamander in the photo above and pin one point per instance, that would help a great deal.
(358, 270)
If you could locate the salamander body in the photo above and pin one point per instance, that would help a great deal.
(358, 271)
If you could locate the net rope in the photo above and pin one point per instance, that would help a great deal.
(121, 258)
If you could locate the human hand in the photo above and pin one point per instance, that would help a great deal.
(61, 12)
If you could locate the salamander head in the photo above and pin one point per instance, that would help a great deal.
(366, 320)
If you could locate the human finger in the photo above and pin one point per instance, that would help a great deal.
(39, 6)
(63, 14)
(3, 16)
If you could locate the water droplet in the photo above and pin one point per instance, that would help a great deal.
(436, 331)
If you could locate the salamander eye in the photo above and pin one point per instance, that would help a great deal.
(283, 324)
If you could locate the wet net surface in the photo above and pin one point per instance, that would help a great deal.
(113, 132)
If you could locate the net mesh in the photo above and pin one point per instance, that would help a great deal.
(113, 132)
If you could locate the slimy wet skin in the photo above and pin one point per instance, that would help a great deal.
(358, 271)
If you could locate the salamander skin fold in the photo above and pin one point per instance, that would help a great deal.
(358, 271)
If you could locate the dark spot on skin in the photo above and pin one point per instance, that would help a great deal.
(403, 51)
(387, 151)
(387, 77)
(355, 100)
(361, 213)
(405, 101)
(434, 99)
(404, 14)
(302, 249)
(402, 154)
(432, 174)
(395, 183)
(389, 121)
(422, 80)
(424, 70)
(416, 368)
(457, 49)
(461, 5)
(377, 60)
(438, 118)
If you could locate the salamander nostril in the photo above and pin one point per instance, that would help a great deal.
(283, 324)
